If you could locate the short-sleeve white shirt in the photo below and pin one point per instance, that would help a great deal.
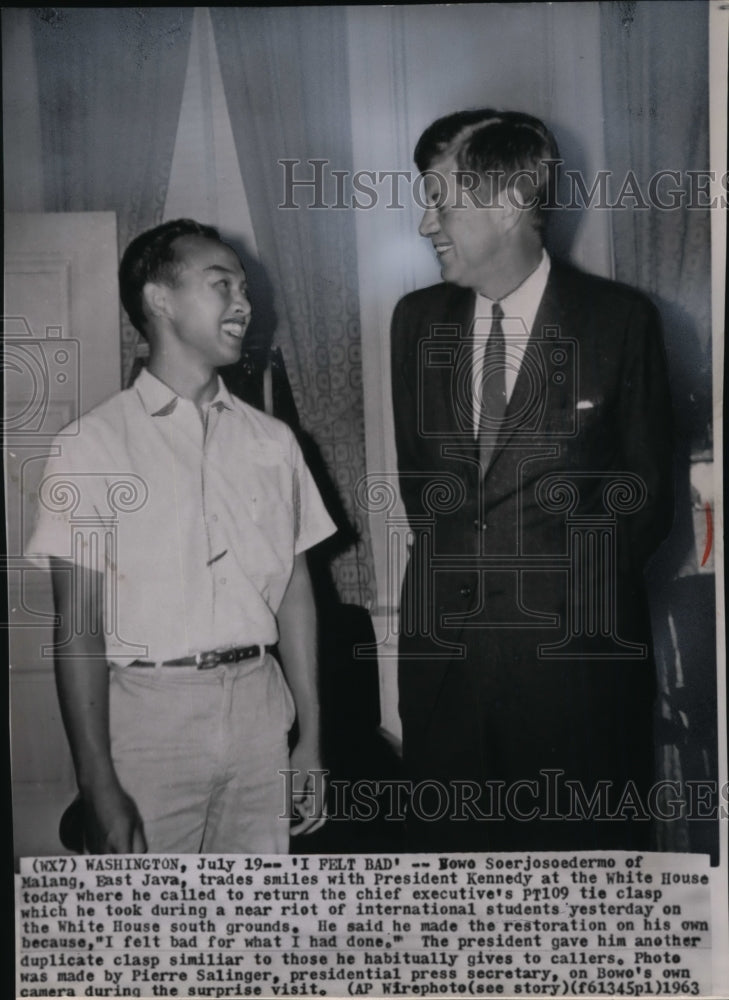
(194, 522)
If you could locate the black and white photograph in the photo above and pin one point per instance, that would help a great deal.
(363, 374)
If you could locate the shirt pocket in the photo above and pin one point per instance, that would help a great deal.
(271, 489)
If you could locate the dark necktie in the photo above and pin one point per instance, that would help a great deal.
(493, 389)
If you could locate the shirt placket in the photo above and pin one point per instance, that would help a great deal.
(216, 547)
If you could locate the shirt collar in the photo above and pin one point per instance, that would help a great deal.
(524, 300)
(159, 400)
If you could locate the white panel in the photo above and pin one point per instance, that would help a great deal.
(85, 244)
(61, 357)
(41, 355)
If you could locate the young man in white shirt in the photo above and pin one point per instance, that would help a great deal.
(177, 569)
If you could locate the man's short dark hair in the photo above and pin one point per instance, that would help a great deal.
(516, 148)
(151, 256)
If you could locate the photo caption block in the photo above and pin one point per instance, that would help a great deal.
(583, 924)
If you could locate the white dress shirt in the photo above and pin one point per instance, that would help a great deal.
(520, 310)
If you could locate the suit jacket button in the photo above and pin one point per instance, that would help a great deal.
(465, 591)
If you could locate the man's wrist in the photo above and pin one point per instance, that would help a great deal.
(309, 742)
(96, 780)
(309, 727)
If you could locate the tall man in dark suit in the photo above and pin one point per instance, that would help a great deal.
(533, 428)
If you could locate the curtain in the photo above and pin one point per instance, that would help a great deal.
(286, 83)
(656, 100)
(110, 85)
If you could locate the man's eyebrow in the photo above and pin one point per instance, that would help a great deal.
(219, 267)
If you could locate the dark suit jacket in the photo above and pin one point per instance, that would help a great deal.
(525, 633)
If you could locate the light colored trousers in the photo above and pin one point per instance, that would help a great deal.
(201, 751)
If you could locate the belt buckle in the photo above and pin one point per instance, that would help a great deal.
(207, 660)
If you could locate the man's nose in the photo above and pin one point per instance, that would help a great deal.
(429, 223)
(242, 302)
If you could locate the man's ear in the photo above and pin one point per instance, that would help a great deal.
(505, 216)
(156, 299)
(520, 200)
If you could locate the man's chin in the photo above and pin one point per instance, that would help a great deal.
(450, 274)
(232, 352)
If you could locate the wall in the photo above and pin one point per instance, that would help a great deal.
(22, 161)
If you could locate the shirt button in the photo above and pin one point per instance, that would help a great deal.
(223, 580)
(480, 525)
(214, 518)
(465, 591)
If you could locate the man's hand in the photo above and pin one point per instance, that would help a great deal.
(112, 824)
(308, 797)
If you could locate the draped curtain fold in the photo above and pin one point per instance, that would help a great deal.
(110, 84)
(286, 82)
(656, 102)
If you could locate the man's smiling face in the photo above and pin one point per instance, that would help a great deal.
(208, 303)
(465, 229)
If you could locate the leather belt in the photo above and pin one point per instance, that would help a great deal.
(210, 658)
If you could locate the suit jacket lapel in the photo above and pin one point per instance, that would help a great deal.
(443, 387)
(458, 421)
